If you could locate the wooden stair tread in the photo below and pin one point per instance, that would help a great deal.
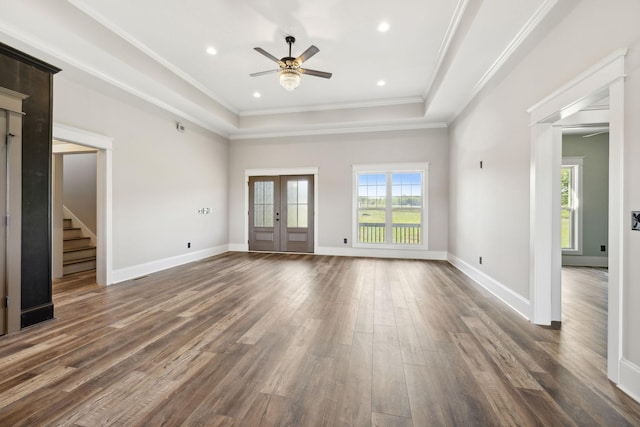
(77, 238)
(78, 261)
(81, 248)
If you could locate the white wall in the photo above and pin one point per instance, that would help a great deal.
(495, 202)
(334, 156)
(160, 177)
(79, 187)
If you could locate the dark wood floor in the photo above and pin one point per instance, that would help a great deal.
(266, 339)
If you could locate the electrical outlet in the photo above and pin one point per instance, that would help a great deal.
(480, 260)
(603, 248)
(345, 240)
(188, 245)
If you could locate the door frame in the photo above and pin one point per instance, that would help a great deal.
(605, 78)
(104, 194)
(277, 172)
(11, 103)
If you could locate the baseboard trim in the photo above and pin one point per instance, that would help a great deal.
(34, 315)
(363, 252)
(517, 302)
(132, 272)
(382, 253)
(238, 247)
(585, 261)
(630, 379)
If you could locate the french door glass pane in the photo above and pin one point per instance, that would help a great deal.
(263, 204)
(297, 203)
(292, 192)
(303, 221)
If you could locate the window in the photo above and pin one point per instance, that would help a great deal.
(389, 205)
(570, 205)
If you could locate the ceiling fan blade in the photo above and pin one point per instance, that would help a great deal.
(267, 54)
(315, 73)
(262, 73)
(307, 54)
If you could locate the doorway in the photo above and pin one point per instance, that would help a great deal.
(281, 213)
(605, 78)
(73, 208)
(104, 154)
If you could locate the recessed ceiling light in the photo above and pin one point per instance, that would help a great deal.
(257, 94)
(384, 27)
(381, 83)
(211, 50)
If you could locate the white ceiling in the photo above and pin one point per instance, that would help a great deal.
(436, 56)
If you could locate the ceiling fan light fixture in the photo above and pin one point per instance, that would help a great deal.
(289, 78)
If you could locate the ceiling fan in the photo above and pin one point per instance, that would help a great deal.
(289, 67)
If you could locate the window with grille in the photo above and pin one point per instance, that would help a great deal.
(389, 205)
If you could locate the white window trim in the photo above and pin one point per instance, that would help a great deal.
(422, 167)
(578, 162)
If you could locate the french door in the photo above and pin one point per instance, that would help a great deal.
(281, 213)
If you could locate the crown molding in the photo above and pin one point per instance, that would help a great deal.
(452, 29)
(333, 129)
(329, 107)
(511, 48)
(97, 16)
(513, 45)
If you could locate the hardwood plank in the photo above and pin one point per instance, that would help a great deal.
(502, 399)
(383, 303)
(27, 387)
(386, 420)
(452, 377)
(389, 389)
(184, 402)
(424, 396)
(267, 410)
(356, 403)
(317, 400)
(410, 347)
(235, 392)
(517, 375)
(364, 321)
(284, 378)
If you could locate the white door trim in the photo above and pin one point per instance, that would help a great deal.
(104, 207)
(606, 78)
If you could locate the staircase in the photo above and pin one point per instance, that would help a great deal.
(78, 254)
